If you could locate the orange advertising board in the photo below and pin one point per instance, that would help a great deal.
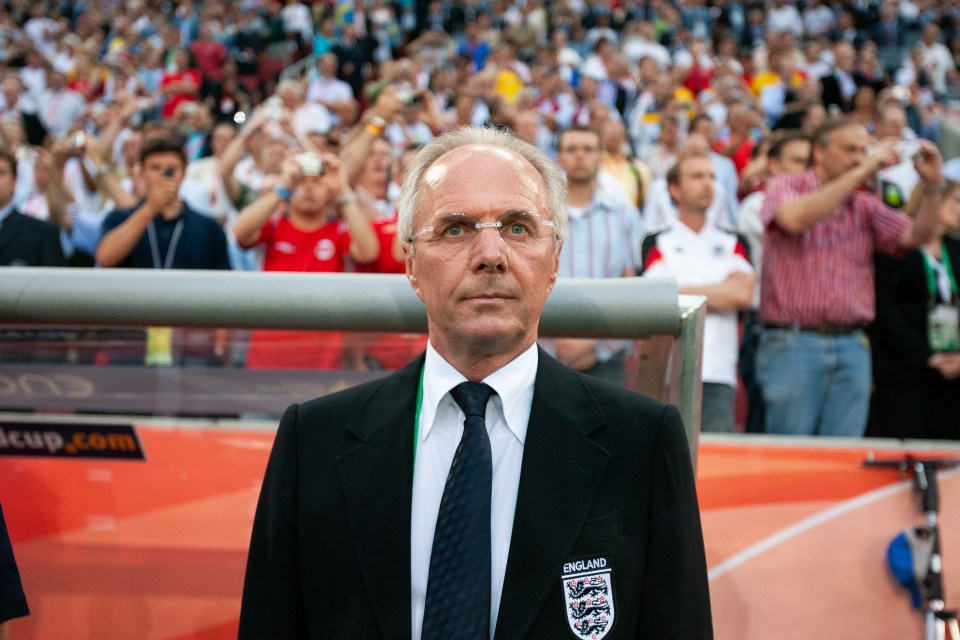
(109, 548)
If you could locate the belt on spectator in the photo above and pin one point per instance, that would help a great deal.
(822, 329)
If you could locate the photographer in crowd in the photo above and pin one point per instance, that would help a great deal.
(311, 222)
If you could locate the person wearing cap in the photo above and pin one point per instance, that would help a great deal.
(817, 289)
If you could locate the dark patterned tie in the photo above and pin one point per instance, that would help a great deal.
(458, 589)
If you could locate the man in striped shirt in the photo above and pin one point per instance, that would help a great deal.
(603, 242)
(817, 290)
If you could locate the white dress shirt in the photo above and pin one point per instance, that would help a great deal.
(439, 431)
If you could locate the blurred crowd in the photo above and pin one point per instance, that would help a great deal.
(257, 135)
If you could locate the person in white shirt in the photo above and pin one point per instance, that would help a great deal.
(58, 105)
(706, 261)
(818, 19)
(332, 92)
(937, 60)
(784, 17)
(307, 117)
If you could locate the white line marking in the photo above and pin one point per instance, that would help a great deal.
(810, 522)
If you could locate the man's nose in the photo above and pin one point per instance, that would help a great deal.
(489, 250)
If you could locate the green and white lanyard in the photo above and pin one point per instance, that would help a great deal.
(943, 317)
(416, 418)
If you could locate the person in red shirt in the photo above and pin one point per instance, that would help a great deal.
(182, 84)
(738, 145)
(211, 56)
(384, 350)
(310, 222)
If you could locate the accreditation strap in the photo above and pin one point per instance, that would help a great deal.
(931, 270)
(416, 417)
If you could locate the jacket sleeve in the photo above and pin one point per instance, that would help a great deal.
(676, 596)
(272, 604)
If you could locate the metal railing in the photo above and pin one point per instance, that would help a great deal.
(605, 308)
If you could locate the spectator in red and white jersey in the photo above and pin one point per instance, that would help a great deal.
(707, 261)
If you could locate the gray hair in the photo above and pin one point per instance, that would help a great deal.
(554, 180)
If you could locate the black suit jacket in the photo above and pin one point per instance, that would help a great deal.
(605, 472)
(28, 242)
(899, 340)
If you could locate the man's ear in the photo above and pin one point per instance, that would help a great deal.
(556, 265)
(409, 261)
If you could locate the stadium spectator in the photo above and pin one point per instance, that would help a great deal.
(788, 153)
(311, 222)
(333, 93)
(915, 341)
(839, 87)
(603, 242)
(661, 210)
(632, 173)
(817, 291)
(162, 231)
(24, 241)
(711, 262)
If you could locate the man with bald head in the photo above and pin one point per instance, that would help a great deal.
(485, 490)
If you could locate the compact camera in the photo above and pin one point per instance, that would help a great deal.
(311, 164)
(273, 108)
(407, 94)
(78, 140)
(909, 150)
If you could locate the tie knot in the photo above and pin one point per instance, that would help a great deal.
(472, 398)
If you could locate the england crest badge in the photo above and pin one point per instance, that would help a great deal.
(588, 595)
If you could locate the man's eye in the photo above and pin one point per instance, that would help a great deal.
(517, 229)
(454, 230)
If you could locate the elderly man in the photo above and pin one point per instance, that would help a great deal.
(568, 505)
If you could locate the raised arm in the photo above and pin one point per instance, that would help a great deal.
(799, 215)
(370, 128)
(246, 228)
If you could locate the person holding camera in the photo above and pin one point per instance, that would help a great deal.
(817, 288)
(162, 231)
(310, 222)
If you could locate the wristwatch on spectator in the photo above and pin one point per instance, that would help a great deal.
(346, 198)
(376, 125)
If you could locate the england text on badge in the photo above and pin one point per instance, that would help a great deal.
(588, 596)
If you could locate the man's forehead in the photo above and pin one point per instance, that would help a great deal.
(476, 176)
(465, 156)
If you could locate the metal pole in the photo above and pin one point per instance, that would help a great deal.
(606, 308)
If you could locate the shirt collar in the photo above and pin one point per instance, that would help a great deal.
(5, 211)
(513, 383)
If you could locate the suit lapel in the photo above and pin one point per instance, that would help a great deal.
(561, 471)
(376, 478)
